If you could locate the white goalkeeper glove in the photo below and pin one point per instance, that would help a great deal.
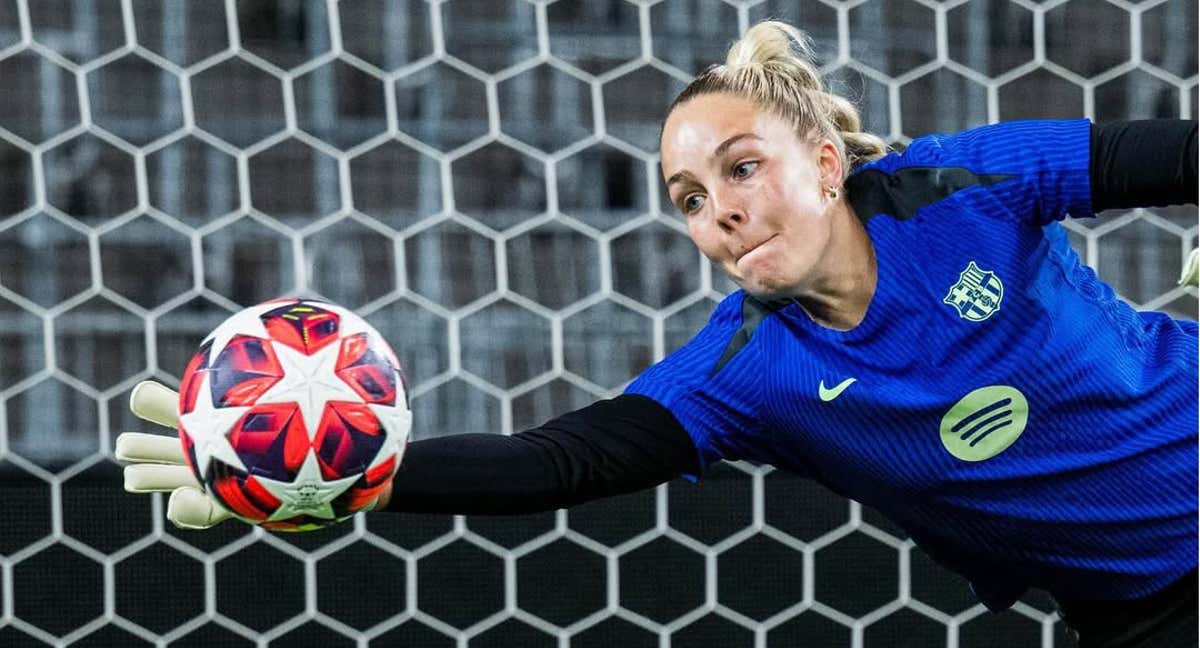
(1190, 276)
(156, 462)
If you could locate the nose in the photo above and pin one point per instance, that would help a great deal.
(730, 214)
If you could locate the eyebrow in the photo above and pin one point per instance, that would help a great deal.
(717, 152)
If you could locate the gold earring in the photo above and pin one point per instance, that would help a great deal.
(832, 192)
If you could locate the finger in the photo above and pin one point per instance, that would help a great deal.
(155, 402)
(1190, 275)
(136, 447)
(189, 508)
(158, 478)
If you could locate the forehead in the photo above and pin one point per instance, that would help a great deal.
(696, 127)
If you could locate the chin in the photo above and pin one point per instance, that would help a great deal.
(765, 288)
(765, 274)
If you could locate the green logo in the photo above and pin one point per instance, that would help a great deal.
(977, 295)
(984, 422)
(828, 394)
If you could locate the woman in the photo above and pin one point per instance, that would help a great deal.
(909, 332)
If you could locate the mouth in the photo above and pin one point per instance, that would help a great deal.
(753, 248)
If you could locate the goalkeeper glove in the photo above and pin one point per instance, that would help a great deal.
(156, 463)
(1190, 276)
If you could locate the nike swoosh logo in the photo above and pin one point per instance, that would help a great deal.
(828, 394)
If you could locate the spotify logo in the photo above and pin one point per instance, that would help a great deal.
(984, 422)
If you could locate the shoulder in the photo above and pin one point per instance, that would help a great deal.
(729, 308)
(725, 337)
(742, 314)
(735, 316)
(997, 159)
(1001, 146)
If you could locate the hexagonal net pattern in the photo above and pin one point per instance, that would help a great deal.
(478, 178)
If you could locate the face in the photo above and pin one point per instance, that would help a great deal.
(751, 190)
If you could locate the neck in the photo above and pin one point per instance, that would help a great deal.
(845, 276)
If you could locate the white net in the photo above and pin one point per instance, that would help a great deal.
(479, 179)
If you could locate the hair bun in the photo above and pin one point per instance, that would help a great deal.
(772, 65)
(774, 44)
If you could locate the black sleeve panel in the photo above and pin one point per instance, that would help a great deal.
(1146, 163)
(615, 446)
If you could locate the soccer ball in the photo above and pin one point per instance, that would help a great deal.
(294, 414)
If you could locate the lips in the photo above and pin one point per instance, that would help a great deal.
(754, 247)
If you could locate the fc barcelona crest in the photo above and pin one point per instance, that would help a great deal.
(977, 295)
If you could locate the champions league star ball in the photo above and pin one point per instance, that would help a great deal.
(293, 414)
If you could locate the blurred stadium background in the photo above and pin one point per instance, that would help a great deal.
(479, 179)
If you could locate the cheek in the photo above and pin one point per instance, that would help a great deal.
(791, 193)
(700, 234)
(796, 185)
(770, 194)
(706, 237)
(794, 208)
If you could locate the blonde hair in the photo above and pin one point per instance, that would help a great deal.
(772, 65)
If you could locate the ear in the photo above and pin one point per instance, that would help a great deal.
(829, 163)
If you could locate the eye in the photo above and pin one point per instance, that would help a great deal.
(691, 203)
(744, 169)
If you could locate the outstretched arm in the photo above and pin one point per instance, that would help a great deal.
(610, 447)
(1144, 163)
(615, 446)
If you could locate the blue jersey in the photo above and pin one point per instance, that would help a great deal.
(998, 402)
